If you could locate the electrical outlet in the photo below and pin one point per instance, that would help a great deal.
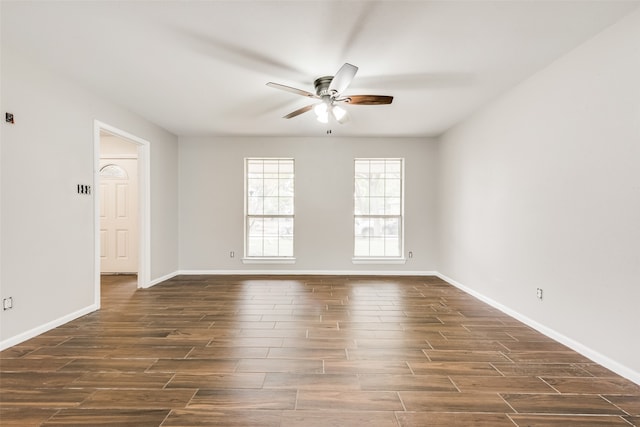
(539, 293)
(7, 303)
(410, 254)
(232, 254)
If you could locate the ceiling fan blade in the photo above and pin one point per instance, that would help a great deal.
(299, 111)
(369, 99)
(343, 78)
(292, 90)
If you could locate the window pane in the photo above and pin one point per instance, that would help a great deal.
(270, 246)
(254, 246)
(285, 188)
(362, 169)
(254, 187)
(254, 206)
(270, 187)
(376, 206)
(376, 167)
(392, 206)
(285, 205)
(362, 187)
(271, 227)
(361, 206)
(391, 227)
(361, 246)
(377, 227)
(286, 246)
(270, 205)
(376, 187)
(285, 227)
(362, 227)
(376, 246)
(256, 226)
(392, 246)
(392, 188)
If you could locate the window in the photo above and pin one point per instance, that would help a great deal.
(269, 208)
(378, 208)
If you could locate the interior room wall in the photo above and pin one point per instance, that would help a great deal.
(47, 229)
(212, 201)
(541, 189)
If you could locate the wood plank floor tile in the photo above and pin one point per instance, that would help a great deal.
(382, 382)
(108, 417)
(194, 366)
(495, 384)
(541, 369)
(138, 399)
(465, 356)
(42, 398)
(453, 368)
(614, 385)
(289, 381)
(303, 351)
(108, 365)
(225, 399)
(122, 380)
(306, 418)
(580, 404)
(307, 353)
(350, 367)
(216, 381)
(223, 418)
(526, 420)
(630, 404)
(348, 400)
(453, 402)
(301, 366)
(452, 419)
(17, 380)
(25, 417)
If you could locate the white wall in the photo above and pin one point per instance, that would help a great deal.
(542, 189)
(47, 230)
(212, 191)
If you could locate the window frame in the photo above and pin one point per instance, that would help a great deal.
(380, 259)
(266, 259)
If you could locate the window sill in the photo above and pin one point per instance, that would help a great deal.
(266, 260)
(373, 260)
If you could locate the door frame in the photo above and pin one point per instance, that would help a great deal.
(144, 204)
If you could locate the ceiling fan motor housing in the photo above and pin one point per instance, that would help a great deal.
(322, 86)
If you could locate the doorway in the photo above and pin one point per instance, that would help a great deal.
(121, 183)
(118, 194)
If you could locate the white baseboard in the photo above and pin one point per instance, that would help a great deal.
(308, 272)
(597, 357)
(15, 340)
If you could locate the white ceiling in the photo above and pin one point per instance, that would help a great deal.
(200, 67)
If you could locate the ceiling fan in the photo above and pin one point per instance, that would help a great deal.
(329, 90)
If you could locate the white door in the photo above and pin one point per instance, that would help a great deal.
(118, 215)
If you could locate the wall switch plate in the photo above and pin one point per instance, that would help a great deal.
(84, 189)
(232, 254)
(7, 303)
(539, 293)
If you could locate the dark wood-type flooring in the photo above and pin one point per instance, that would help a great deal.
(303, 351)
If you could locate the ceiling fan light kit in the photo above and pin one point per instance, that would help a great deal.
(329, 90)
